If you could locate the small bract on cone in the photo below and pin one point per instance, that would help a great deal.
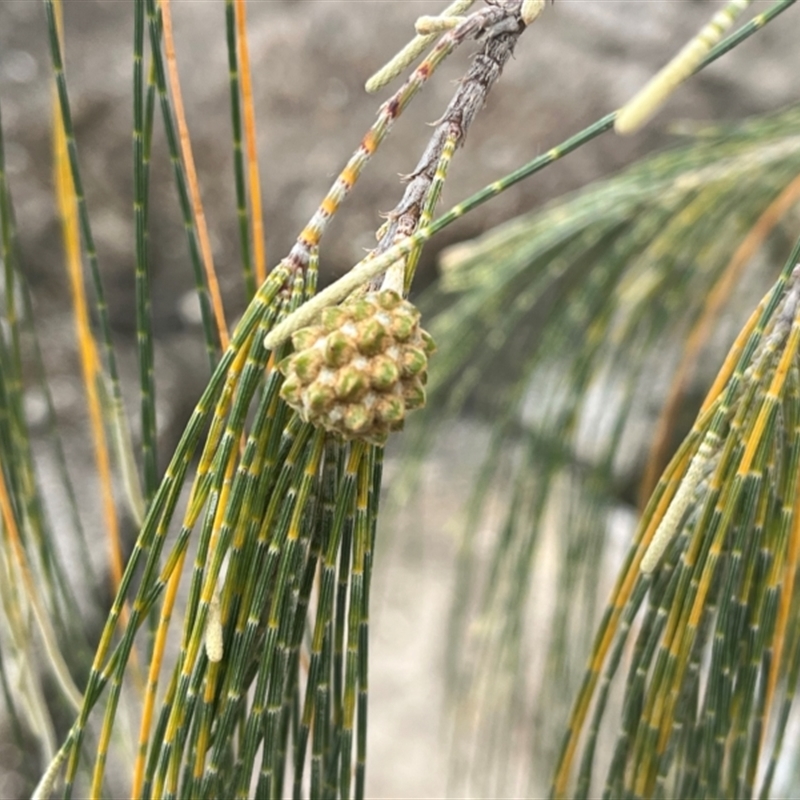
(362, 369)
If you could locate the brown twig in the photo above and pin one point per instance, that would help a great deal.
(499, 25)
(499, 31)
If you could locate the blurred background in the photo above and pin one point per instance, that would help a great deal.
(310, 60)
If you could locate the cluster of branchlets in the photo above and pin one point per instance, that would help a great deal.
(362, 369)
(498, 27)
(363, 366)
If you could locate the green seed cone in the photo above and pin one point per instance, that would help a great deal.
(391, 409)
(307, 364)
(362, 370)
(414, 395)
(402, 327)
(361, 309)
(319, 397)
(414, 361)
(304, 338)
(333, 318)
(388, 299)
(339, 349)
(358, 418)
(384, 373)
(292, 391)
(351, 384)
(372, 337)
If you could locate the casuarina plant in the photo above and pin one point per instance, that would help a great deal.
(234, 657)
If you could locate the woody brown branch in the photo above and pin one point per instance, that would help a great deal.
(499, 27)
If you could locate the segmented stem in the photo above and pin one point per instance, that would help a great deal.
(238, 155)
(409, 54)
(206, 313)
(647, 102)
(254, 181)
(191, 176)
(144, 330)
(369, 268)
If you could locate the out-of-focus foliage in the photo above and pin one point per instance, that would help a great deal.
(565, 328)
